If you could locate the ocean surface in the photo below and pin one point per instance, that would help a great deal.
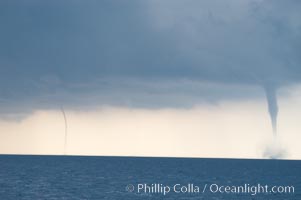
(79, 177)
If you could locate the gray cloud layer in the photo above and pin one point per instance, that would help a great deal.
(62, 52)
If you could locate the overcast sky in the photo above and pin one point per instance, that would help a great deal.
(152, 54)
(62, 51)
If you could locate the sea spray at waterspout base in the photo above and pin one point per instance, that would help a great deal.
(274, 149)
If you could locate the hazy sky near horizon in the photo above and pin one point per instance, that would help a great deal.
(146, 56)
(233, 129)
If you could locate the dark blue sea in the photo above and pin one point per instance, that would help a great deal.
(127, 178)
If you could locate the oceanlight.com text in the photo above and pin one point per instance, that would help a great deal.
(190, 188)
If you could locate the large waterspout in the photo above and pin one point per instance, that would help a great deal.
(272, 106)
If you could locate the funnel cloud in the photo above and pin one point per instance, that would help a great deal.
(65, 131)
(272, 106)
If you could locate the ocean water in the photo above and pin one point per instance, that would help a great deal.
(79, 177)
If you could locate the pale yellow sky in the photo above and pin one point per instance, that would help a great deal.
(229, 130)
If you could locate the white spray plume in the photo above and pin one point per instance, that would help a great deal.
(275, 150)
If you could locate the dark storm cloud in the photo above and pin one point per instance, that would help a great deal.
(144, 52)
